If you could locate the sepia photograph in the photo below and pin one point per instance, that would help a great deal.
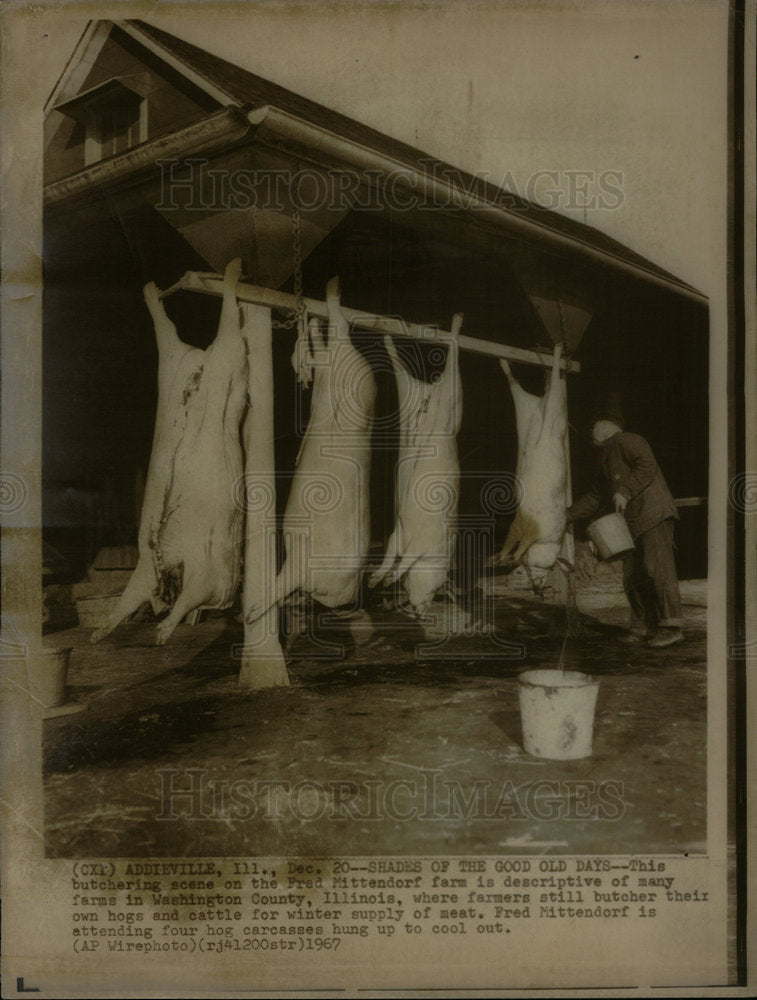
(351, 457)
(379, 476)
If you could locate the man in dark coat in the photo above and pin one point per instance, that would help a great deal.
(630, 482)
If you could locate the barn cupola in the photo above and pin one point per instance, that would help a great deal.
(111, 118)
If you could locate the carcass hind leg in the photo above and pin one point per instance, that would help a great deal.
(524, 401)
(165, 330)
(138, 590)
(228, 324)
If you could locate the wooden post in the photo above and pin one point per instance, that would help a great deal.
(569, 545)
(564, 581)
(263, 663)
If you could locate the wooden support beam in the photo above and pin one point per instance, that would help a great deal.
(263, 663)
(212, 284)
(563, 580)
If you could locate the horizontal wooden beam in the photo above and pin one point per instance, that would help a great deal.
(212, 284)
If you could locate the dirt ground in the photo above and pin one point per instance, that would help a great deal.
(389, 748)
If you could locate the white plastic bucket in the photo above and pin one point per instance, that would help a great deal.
(611, 536)
(48, 677)
(557, 713)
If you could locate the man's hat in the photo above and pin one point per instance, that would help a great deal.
(610, 410)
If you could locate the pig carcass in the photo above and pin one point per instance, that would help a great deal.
(536, 533)
(326, 522)
(420, 549)
(190, 531)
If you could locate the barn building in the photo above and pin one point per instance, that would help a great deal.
(162, 158)
(164, 161)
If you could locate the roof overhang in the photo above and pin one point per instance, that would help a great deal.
(216, 133)
(313, 143)
(306, 142)
(111, 92)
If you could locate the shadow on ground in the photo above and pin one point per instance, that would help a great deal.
(388, 749)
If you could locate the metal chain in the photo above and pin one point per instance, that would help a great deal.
(299, 316)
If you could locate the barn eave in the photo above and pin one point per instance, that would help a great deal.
(304, 140)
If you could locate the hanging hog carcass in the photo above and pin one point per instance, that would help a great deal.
(190, 531)
(420, 549)
(536, 533)
(326, 523)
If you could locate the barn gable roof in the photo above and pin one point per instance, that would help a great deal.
(233, 87)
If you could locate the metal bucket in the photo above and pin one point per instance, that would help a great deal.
(557, 713)
(611, 536)
(48, 677)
